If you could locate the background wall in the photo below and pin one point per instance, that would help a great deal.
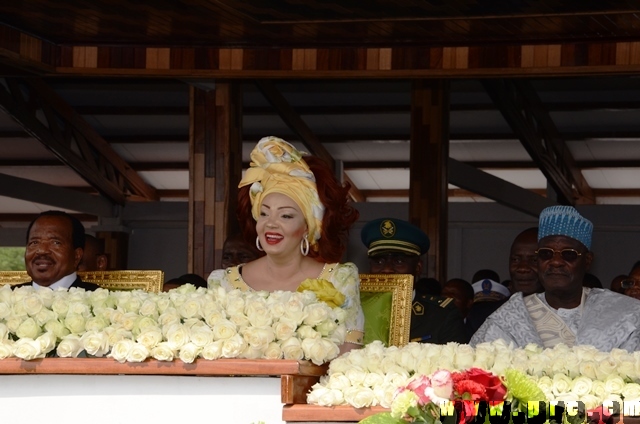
(480, 235)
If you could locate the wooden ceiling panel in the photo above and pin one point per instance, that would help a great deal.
(318, 23)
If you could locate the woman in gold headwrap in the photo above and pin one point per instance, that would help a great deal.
(299, 215)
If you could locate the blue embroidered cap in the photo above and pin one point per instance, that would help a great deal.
(565, 221)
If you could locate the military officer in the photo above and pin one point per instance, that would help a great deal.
(395, 247)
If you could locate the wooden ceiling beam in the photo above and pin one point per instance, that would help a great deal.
(42, 113)
(530, 121)
(46, 194)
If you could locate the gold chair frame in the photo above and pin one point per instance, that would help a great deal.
(401, 287)
(148, 280)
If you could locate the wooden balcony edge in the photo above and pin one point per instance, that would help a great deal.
(202, 367)
(304, 412)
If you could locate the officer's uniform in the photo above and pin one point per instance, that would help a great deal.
(434, 319)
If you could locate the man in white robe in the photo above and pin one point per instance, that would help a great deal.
(565, 312)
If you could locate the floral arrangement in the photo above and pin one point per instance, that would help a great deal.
(185, 323)
(430, 399)
(371, 376)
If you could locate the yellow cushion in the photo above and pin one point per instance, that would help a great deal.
(377, 315)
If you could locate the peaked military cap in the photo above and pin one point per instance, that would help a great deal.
(391, 235)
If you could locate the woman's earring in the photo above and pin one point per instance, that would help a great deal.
(258, 244)
(304, 245)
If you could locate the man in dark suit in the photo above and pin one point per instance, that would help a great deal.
(394, 247)
(55, 243)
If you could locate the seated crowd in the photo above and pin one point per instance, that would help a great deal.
(289, 204)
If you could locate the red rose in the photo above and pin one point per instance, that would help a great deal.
(495, 390)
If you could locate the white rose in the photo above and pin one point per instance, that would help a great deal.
(273, 351)
(96, 324)
(4, 331)
(201, 335)
(294, 310)
(213, 316)
(98, 298)
(545, 383)
(224, 329)
(325, 397)
(32, 304)
(190, 309)
(373, 380)
(277, 309)
(80, 309)
(316, 313)
(189, 352)
(57, 328)
(259, 337)
(235, 303)
(631, 391)
(132, 304)
(28, 329)
(129, 320)
(614, 384)
(464, 357)
(177, 336)
(17, 309)
(338, 381)
(359, 397)
(212, 351)
(251, 352)
(501, 363)
(121, 349)
(138, 353)
(239, 320)
(588, 369)
(44, 316)
(162, 303)
(356, 375)
(69, 347)
(319, 351)
(5, 310)
(149, 309)
(6, 349)
(13, 322)
(484, 356)
(117, 334)
(536, 365)
(143, 323)
(590, 401)
(306, 332)
(292, 349)
(75, 323)
(169, 317)
(626, 369)
(385, 394)
(47, 342)
(233, 346)
(561, 384)
(598, 388)
(96, 343)
(581, 386)
(284, 328)
(27, 349)
(606, 368)
(162, 352)
(342, 363)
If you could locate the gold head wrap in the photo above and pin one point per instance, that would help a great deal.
(277, 167)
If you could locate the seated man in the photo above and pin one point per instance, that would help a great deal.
(236, 251)
(395, 247)
(523, 268)
(93, 258)
(55, 242)
(566, 312)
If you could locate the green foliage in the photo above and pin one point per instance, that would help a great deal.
(12, 259)
(382, 418)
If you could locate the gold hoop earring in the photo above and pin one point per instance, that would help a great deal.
(258, 244)
(304, 245)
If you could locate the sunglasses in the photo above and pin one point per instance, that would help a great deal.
(627, 284)
(568, 255)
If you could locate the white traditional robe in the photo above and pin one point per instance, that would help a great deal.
(608, 320)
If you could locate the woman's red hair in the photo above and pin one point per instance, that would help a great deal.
(339, 215)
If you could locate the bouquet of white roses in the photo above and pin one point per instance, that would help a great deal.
(185, 323)
(371, 376)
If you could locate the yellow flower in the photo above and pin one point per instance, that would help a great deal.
(324, 290)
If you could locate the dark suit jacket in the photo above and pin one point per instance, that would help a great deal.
(78, 283)
(436, 319)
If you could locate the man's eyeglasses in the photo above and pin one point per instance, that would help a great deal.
(568, 255)
(627, 284)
